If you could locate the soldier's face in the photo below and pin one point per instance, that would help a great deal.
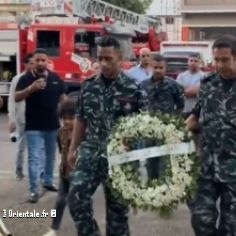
(110, 60)
(225, 62)
(159, 69)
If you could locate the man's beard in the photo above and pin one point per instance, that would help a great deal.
(40, 70)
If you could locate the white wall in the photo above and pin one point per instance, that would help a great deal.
(164, 7)
(173, 30)
(168, 8)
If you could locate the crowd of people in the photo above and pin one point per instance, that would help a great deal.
(44, 116)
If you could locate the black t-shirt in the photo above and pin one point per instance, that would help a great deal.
(41, 106)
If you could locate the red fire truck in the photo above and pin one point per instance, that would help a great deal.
(70, 40)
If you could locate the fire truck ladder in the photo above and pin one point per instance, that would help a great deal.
(100, 9)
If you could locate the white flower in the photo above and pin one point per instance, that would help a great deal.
(174, 188)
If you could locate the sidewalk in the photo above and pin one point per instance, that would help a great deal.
(14, 197)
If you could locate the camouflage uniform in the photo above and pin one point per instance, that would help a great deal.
(216, 109)
(100, 107)
(166, 97)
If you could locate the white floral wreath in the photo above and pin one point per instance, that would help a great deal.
(163, 195)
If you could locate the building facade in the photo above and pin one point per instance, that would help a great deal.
(14, 7)
(169, 13)
(207, 19)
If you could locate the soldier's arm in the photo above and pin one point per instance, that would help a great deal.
(178, 94)
(142, 99)
(78, 134)
(192, 121)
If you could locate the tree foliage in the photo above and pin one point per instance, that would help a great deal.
(138, 6)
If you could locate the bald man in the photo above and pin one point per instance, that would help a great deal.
(142, 71)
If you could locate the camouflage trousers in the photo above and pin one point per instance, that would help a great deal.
(205, 213)
(89, 173)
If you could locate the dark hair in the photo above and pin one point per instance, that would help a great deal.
(158, 58)
(226, 41)
(194, 55)
(28, 57)
(40, 51)
(67, 108)
(109, 41)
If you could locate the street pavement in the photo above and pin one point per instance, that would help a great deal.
(14, 195)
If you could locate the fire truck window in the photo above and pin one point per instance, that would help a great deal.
(85, 43)
(50, 41)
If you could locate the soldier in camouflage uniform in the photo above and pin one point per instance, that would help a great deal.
(165, 96)
(104, 98)
(216, 113)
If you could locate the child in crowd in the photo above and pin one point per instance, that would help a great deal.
(67, 110)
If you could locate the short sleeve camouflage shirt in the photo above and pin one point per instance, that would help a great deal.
(101, 106)
(167, 96)
(217, 116)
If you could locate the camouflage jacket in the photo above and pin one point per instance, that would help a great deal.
(216, 109)
(167, 96)
(101, 106)
(64, 144)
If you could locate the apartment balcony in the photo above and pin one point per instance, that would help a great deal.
(207, 6)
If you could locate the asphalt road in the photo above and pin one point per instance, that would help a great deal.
(14, 195)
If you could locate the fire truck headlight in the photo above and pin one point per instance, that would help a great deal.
(68, 75)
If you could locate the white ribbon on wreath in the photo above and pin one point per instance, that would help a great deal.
(165, 194)
(147, 153)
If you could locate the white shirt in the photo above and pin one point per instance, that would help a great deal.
(139, 73)
(187, 80)
(16, 110)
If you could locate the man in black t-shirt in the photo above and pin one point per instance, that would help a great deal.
(42, 90)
